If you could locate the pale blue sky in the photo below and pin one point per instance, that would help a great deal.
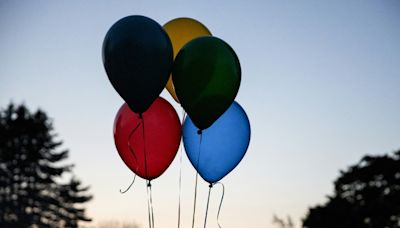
(320, 84)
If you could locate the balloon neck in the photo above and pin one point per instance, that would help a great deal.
(211, 185)
(199, 132)
(140, 116)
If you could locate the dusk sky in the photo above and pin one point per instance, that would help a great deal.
(320, 84)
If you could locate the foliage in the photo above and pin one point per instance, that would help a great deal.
(366, 195)
(32, 190)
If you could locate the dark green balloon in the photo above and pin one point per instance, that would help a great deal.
(206, 77)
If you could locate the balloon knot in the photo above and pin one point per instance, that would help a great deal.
(211, 185)
(199, 132)
(140, 116)
(149, 184)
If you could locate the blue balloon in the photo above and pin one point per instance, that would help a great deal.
(219, 148)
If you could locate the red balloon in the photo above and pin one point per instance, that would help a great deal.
(148, 145)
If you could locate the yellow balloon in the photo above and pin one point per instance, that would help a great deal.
(181, 31)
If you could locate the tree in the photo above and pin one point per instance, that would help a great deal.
(33, 187)
(366, 195)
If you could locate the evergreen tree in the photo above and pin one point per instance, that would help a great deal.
(32, 190)
(366, 195)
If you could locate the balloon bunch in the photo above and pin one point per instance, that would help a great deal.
(200, 71)
(206, 77)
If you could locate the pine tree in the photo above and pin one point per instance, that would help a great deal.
(32, 174)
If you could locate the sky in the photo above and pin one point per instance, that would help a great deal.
(320, 84)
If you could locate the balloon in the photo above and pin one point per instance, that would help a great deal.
(148, 147)
(206, 76)
(180, 31)
(221, 146)
(138, 57)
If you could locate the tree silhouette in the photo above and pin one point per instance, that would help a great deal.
(366, 195)
(33, 187)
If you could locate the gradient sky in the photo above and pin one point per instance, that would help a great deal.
(320, 83)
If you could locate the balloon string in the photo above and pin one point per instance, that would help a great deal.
(194, 204)
(197, 175)
(148, 203)
(133, 181)
(151, 204)
(129, 142)
(208, 202)
(134, 156)
(144, 145)
(220, 204)
(180, 173)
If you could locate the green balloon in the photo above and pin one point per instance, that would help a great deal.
(206, 76)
